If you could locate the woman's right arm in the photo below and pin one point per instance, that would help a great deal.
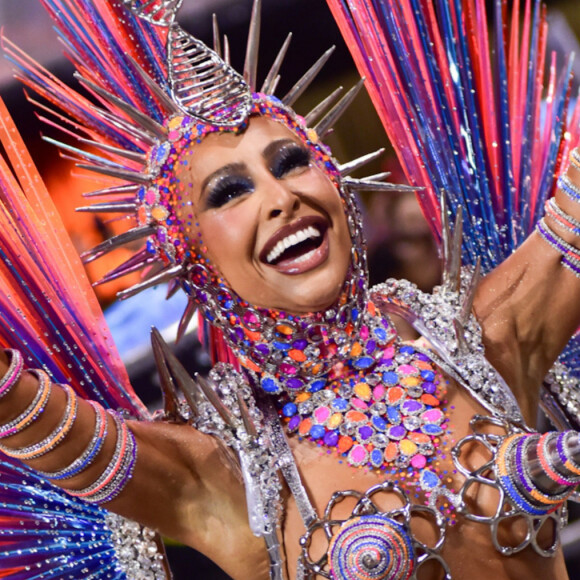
(180, 485)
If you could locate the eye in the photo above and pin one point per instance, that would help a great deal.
(226, 189)
(289, 158)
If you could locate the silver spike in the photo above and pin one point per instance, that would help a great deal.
(173, 287)
(322, 107)
(115, 190)
(166, 274)
(253, 46)
(245, 415)
(379, 177)
(140, 260)
(186, 317)
(142, 178)
(117, 241)
(226, 49)
(123, 125)
(168, 388)
(111, 207)
(268, 86)
(158, 91)
(467, 304)
(131, 155)
(217, 45)
(366, 185)
(348, 168)
(445, 238)
(297, 90)
(211, 396)
(144, 121)
(459, 330)
(274, 86)
(325, 125)
(451, 274)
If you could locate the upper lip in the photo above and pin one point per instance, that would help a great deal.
(302, 223)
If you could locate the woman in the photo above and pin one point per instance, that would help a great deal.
(263, 233)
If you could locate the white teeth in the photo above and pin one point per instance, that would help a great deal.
(293, 240)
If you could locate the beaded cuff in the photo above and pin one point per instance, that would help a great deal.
(13, 373)
(570, 255)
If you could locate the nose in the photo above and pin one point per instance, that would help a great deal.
(279, 199)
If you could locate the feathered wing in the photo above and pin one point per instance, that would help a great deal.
(480, 114)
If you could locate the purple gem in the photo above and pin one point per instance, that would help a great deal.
(365, 432)
(300, 344)
(371, 346)
(263, 349)
(411, 406)
(201, 296)
(287, 369)
(397, 431)
(293, 423)
(331, 439)
(429, 388)
(240, 333)
(421, 356)
(294, 383)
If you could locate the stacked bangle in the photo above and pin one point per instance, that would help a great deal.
(32, 412)
(570, 254)
(571, 190)
(13, 373)
(54, 438)
(561, 217)
(91, 451)
(575, 159)
(119, 471)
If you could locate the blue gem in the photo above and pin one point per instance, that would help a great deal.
(428, 480)
(354, 313)
(428, 375)
(390, 378)
(339, 405)
(141, 193)
(316, 386)
(377, 457)
(407, 349)
(270, 385)
(364, 362)
(281, 345)
(380, 333)
(317, 431)
(379, 423)
(393, 415)
(431, 429)
(289, 409)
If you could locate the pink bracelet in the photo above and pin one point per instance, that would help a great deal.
(13, 373)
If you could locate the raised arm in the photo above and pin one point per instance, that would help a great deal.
(529, 306)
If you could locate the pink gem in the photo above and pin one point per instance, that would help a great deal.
(389, 352)
(358, 403)
(364, 332)
(379, 393)
(419, 461)
(357, 455)
(321, 414)
(150, 196)
(407, 370)
(173, 135)
(287, 369)
(432, 416)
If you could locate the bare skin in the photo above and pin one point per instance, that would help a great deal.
(181, 487)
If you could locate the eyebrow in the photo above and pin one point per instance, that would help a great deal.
(222, 171)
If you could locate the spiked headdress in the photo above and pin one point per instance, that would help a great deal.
(160, 91)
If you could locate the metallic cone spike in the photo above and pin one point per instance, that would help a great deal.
(322, 107)
(211, 396)
(131, 155)
(203, 85)
(297, 90)
(253, 46)
(145, 122)
(140, 260)
(274, 85)
(186, 317)
(168, 388)
(226, 50)
(454, 265)
(268, 86)
(459, 335)
(348, 168)
(246, 419)
(160, 12)
(325, 125)
(173, 287)
(366, 185)
(117, 241)
(116, 190)
(217, 45)
(135, 132)
(470, 295)
(166, 274)
(111, 207)
(445, 239)
(128, 175)
(381, 177)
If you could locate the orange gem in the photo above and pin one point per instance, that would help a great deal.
(410, 381)
(371, 308)
(356, 349)
(344, 444)
(355, 417)
(418, 437)
(251, 335)
(395, 394)
(391, 452)
(301, 397)
(246, 362)
(428, 399)
(283, 329)
(297, 355)
(305, 426)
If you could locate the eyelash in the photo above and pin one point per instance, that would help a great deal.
(289, 158)
(228, 188)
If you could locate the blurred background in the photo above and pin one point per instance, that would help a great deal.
(399, 239)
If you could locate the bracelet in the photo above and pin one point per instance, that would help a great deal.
(119, 471)
(565, 220)
(550, 469)
(570, 255)
(32, 412)
(575, 159)
(571, 190)
(13, 373)
(91, 451)
(55, 437)
(564, 448)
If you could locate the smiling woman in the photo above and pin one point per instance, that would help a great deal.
(352, 454)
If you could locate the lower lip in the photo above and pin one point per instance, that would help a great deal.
(301, 265)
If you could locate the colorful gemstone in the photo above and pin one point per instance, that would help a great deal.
(364, 362)
(335, 421)
(331, 438)
(317, 431)
(321, 414)
(289, 410)
(345, 443)
(407, 447)
(363, 391)
(358, 455)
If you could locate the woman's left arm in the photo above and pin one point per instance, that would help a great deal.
(529, 306)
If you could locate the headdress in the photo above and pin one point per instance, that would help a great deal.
(152, 111)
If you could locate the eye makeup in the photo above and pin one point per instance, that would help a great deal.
(287, 157)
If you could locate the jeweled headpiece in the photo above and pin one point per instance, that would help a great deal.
(161, 91)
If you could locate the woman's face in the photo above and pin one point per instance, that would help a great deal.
(271, 221)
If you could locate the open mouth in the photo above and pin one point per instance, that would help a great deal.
(297, 247)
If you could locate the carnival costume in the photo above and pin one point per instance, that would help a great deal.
(341, 377)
